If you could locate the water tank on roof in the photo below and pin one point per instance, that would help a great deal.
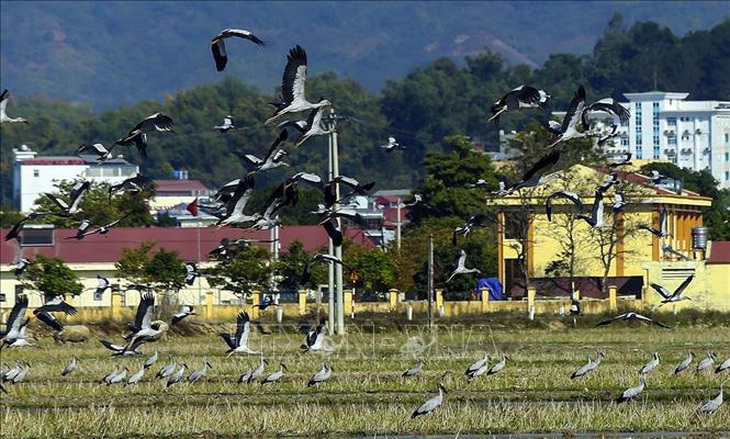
(699, 238)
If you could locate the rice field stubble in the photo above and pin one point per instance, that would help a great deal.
(366, 395)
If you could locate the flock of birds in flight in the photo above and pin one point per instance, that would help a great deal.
(231, 200)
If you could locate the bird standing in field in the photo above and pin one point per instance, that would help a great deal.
(706, 363)
(323, 375)
(684, 364)
(4, 97)
(651, 365)
(151, 360)
(177, 376)
(414, 370)
(218, 45)
(499, 366)
(725, 365)
(477, 368)
(200, 373)
(292, 99)
(167, 369)
(432, 404)
(136, 377)
(588, 367)
(711, 406)
(254, 374)
(70, 366)
(275, 376)
(632, 392)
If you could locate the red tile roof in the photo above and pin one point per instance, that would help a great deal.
(44, 161)
(181, 187)
(98, 248)
(719, 253)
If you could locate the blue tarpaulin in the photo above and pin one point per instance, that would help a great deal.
(493, 285)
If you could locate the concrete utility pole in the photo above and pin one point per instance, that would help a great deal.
(339, 313)
(430, 282)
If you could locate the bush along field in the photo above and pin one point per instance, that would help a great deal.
(366, 394)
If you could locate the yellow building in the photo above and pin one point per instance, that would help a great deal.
(527, 237)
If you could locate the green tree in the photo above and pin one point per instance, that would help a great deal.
(245, 271)
(52, 277)
(291, 265)
(97, 208)
(375, 268)
(162, 270)
(705, 184)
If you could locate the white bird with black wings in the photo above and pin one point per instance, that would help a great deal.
(238, 342)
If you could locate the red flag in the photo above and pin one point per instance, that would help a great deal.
(193, 207)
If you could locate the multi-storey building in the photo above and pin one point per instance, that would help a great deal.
(690, 134)
(32, 175)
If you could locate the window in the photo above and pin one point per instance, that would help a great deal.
(672, 122)
(727, 156)
(36, 173)
(727, 176)
(727, 138)
(624, 141)
(672, 140)
(36, 236)
(2, 297)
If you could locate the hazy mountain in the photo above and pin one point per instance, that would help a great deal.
(116, 53)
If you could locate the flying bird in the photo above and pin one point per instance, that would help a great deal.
(631, 316)
(97, 149)
(460, 268)
(619, 200)
(57, 304)
(103, 230)
(571, 196)
(238, 342)
(72, 207)
(595, 219)
(14, 232)
(314, 126)
(145, 329)
(624, 161)
(392, 144)
(137, 136)
(226, 126)
(102, 284)
(186, 310)
(4, 97)
(218, 45)
(478, 218)
(676, 295)
(314, 341)
(15, 321)
(663, 230)
(237, 202)
(292, 99)
(138, 183)
(191, 273)
(520, 97)
(274, 158)
(318, 258)
(22, 264)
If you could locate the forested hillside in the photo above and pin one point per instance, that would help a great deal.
(118, 53)
(429, 103)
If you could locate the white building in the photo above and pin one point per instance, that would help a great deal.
(32, 176)
(690, 134)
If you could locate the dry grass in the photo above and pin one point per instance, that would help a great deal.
(366, 395)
